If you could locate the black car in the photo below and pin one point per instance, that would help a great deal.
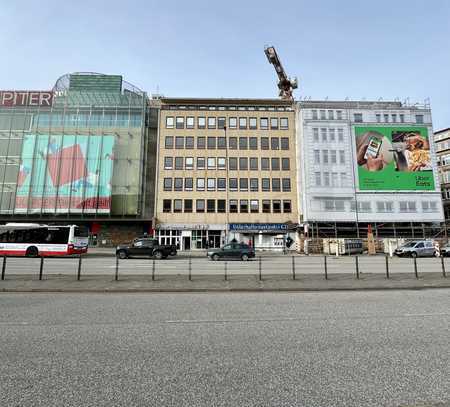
(232, 251)
(145, 247)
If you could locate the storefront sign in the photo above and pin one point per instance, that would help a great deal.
(264, 227)
(26, 98)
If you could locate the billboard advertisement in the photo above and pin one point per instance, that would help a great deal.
(65, 173)
(394, 158)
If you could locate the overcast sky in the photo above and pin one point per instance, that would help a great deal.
(338, 49)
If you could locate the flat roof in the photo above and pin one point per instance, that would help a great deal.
(442, 130)
(225, 101)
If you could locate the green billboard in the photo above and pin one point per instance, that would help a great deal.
(393, 158)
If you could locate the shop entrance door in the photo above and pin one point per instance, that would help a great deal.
(186, 243)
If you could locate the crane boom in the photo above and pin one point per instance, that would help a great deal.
(285, 85)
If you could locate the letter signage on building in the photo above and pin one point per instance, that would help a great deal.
(263, 227)
(26, 98)
(394, 158)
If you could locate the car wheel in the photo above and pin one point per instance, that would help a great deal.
(32, 252)
(413, 255)
(158, 255)
(122, 254)
(215, 257)
(173, 253)
(244, 257)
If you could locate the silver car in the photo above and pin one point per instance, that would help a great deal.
(417, 248)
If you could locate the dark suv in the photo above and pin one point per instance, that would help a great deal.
(232, 251)
(145, 247)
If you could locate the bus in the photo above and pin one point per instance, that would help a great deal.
(35, 240)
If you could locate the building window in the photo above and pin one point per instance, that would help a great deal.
(242, 123)
(211, 163)
(284, 143)
(254, 184)
(394, 118)
(167, 205)
(168, 142)
(325, 156)
(221, 143)
(178, 184)
(190, 122)
(233, 205)
(201, 142)
(266, 206)
(333, 156)
(384, 206)
(244, 206)
(168, 163)
(211, 143)
(330, 114)
(232, 162)
(211, 122)
(276, 187)
(340, 135)
(232, 143)
(233, 184)
(200, 163)
(386, 118)
(211, 184)
(200, 184)
(177, 205)
(285, 164)
(253, 163)
(232, 123)
(317, 179)
(326, 179)
(275, 143)
(358, 117)
(339, 114)
(265, 184)
(264, 143)
(254, 206)
(284, 123)
(286, 184)
(429, 206)
(221, 184)
(402, 118)
(265, 164)
(323, 132)
(419, 118)
(275, 164)
(201, 122)
(378, 117)
(331, 133)
(179, 142)
(221, 163)
(189, 163)
(342, 156)
(253, 143)
(263, 123)
(243, 143)
(287, 208)
(243, 163)
(243, 184)
(221, 205)
(343, 179)
(179, 163)
(315, 135)
(180, 122)
(316, 154)
(169, 122)
(211, 205)
(253, 123)
(221, 122)
(188, 205)
(314, 115)
(322, 115)
(200, 205)
(276, 205)
(189, 142)
(188, 184)
(167, 184)
(274, 123)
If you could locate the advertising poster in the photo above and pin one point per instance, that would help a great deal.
(65, 174)
(394, 158)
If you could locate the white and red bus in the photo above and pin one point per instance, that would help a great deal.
(33, 240)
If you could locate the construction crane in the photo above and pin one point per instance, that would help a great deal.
(285, 84)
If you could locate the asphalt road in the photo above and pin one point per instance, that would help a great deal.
(201, 265)
(383, 348)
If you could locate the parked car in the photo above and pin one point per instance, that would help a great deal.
(445, 250)
(173, 252)
(232, 251)
(416, 248)
(144, 247)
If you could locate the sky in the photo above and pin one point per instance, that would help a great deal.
(349, 48)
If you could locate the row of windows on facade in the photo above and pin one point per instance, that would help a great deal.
(446, 193)
(242, 123)
(234, 184)
(443, 145)
(219, 163)
(212, 143)
(329, 157)
(358, 117)
(235, 206)
(328, 135)
(382, 207)
(330, 179)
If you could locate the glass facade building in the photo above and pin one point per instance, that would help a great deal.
(79, 153)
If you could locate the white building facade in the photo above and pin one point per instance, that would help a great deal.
(345, 185)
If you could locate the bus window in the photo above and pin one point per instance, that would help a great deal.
(81, 231)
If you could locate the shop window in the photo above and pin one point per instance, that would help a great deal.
(211, 143)
(211, 205)
(232, 143)
(266, 206)
(287, 206)
(167, 184)
(201, 142)
(179, 163)
(180, 122)
(233, 205)
(188, 205)
(244, 206)
(264, 143)
(254, 184)
(233, 163)
(221, 205)
(189, 142)
(178, 184)
(200, 163)
(274, 123)
(233, 184)
(168, 142)
(188, 184)
(254, 206)
(168, 163)
(276, 185)
(200, 205)
(243, 184)
(276, 206)
(190, 122)
(232, 123)
(243, 163)
(179, 142)
(275, 164)
(170, 122)
(177, 205)
(201, 122)
(286, 182)
(253, 143)
(167, 205)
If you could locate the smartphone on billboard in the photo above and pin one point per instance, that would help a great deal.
(373, 148)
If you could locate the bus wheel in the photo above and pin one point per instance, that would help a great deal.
(32, 252)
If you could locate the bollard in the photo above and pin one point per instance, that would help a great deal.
(443, 267)
(4, 267)
(117, 269)
(41, 268)
(260, 268)
(225, 270)
(79, 268)
(293, 268)
(357, 267)
(190, 268)
(153, 270)
(325, 267)
(415, 267)
(387, 266)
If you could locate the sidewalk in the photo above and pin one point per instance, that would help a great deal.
(211, 283)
